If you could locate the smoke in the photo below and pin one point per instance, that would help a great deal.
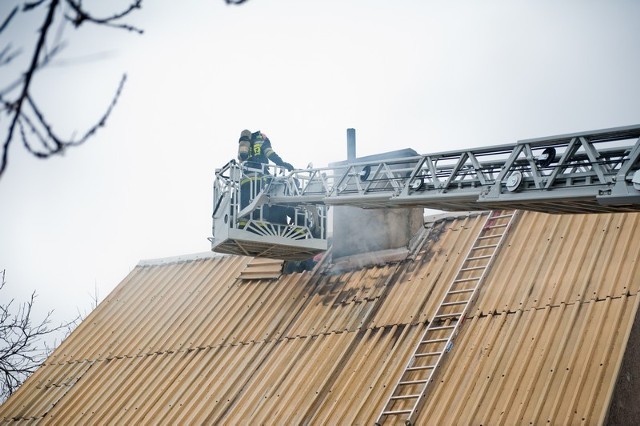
(364, 232)
(367, 232)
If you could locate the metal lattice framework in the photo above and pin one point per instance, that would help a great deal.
(251, 229)
(588, 172)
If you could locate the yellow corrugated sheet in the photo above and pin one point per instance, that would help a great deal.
(262, 269)
(197, 341)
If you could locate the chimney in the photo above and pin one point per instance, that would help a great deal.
(351, 145)
(358, 231)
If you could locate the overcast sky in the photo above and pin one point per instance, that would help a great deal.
(427, 75)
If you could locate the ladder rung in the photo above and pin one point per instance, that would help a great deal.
(467, 290)
(461, 302)
(405, 396)
(452, 320)
(474, 268)
(444, 327)
(495, 226)
(434, 341)
(413, 382)
(428, 354)
(479, 257)
(424, 367)
(395, 412)
(486, 237)
(484, 247)
(456, 314)
(502, 216)
(461, 280)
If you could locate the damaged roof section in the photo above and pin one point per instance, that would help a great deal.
(203, 340)
(260, 268)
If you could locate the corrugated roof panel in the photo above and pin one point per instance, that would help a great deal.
(415, 293)
(298, 368)
(260, 268)
(379, 377)
(341, 302)
(204, 394)
(188, 341)
(46, 387)
(561, 259)
(552, 365)
(142, 315)
(301, 375)
(351, 390)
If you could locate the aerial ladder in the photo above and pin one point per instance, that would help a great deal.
(587, 172)
(270, 212)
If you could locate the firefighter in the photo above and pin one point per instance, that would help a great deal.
(254, 150)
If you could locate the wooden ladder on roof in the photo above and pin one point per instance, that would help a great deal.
(408, 395)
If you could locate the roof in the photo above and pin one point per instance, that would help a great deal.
(190, 341)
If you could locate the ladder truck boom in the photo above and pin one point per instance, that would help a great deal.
(587, 172)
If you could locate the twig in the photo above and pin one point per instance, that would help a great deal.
(82, 16)
(8, 19)
(17, 108)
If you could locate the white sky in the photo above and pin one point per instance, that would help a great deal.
(427, 75)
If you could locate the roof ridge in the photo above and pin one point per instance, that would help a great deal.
(180, 258)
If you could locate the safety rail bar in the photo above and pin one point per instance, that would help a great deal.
(247, 222)
(593, 171)
(270, 212)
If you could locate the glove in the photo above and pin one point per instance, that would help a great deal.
(288, 166)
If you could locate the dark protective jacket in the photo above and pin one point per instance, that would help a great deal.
(256, 150)
(261, 151)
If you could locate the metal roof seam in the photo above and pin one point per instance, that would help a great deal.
(590, 348)
(627, 331)
(284, 337)
(335, 372)
(604, 359)
(523, 340)
(540, 308)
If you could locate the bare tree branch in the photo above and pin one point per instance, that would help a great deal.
(58, 143)
(8, 19)
(22, 342)
(17, 107)
(25, 117)
(6, 55)
(55, 50)
(18, 104)
(32, 5)
(83, 16)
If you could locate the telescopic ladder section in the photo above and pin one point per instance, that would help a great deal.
(587, 172)
(272, 212)
(408, 395)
